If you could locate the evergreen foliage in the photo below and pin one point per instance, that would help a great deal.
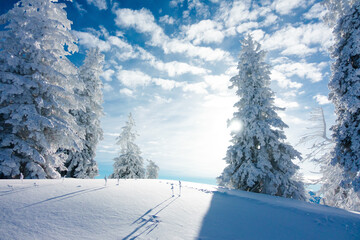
(81, 164)
(259, 160)
(152, 170)
(129, 164)
(345, 94)
(36, 90)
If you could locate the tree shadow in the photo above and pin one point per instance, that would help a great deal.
(13, 190)
(150, 210)
(148, 222)
(65, 196)
(235, 217)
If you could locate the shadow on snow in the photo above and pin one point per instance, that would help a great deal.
(239, 217)
(65, 196)
(149, 221)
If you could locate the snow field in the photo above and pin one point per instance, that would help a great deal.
(145, 209)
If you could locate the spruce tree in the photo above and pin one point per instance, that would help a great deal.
(36, 90)
(129, 164)
(81, 164)
(259, 160)
(152, 170)
(344, 88)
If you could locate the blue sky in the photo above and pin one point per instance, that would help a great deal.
(169, 63)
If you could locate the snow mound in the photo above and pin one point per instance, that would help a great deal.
(146, 209)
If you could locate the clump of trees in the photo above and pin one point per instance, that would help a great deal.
(129, 163)
(43, 96)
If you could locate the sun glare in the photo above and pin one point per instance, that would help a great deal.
(235, 126)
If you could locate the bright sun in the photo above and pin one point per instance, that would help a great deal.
(235, 126)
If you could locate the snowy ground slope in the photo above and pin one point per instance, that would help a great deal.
(145, 209)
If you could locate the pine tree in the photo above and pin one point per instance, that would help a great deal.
(259, 160)
(344, 88)
(36, 90)
(129, 164)
(81, 164)
(152, 170)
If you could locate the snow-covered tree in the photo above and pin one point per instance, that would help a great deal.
(332, 193)
(336, 10)
(36, 90)
(344, 88)
(129, 164)
(81, 164)
(152, 170)
(331, 176)
(317, 137)
(259, 160)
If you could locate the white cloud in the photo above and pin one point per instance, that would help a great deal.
(120, 43)
(236, 13)
(199, 88)
(133, 78)
(232, 71)
(218, 83)
(111, 135)
(167, 19)
(120, 49)
(205, 31)
(167, 84)
(242, 16)
(270, 19)
(316, 11)
(127, 92)
(299, 49)
(80, 8)
(144, 22)
(283, 81)
(244, 27)
(302, 40)
(175, 3)
(101, 4)
(285, 6)
(160, 100)
(302, 69)
(108, 88)
(205, 53)
(257, 34)
(285, 103)
(177, 68)
(321, 99)
(91, 41)
(201, 9)
(107, 75)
